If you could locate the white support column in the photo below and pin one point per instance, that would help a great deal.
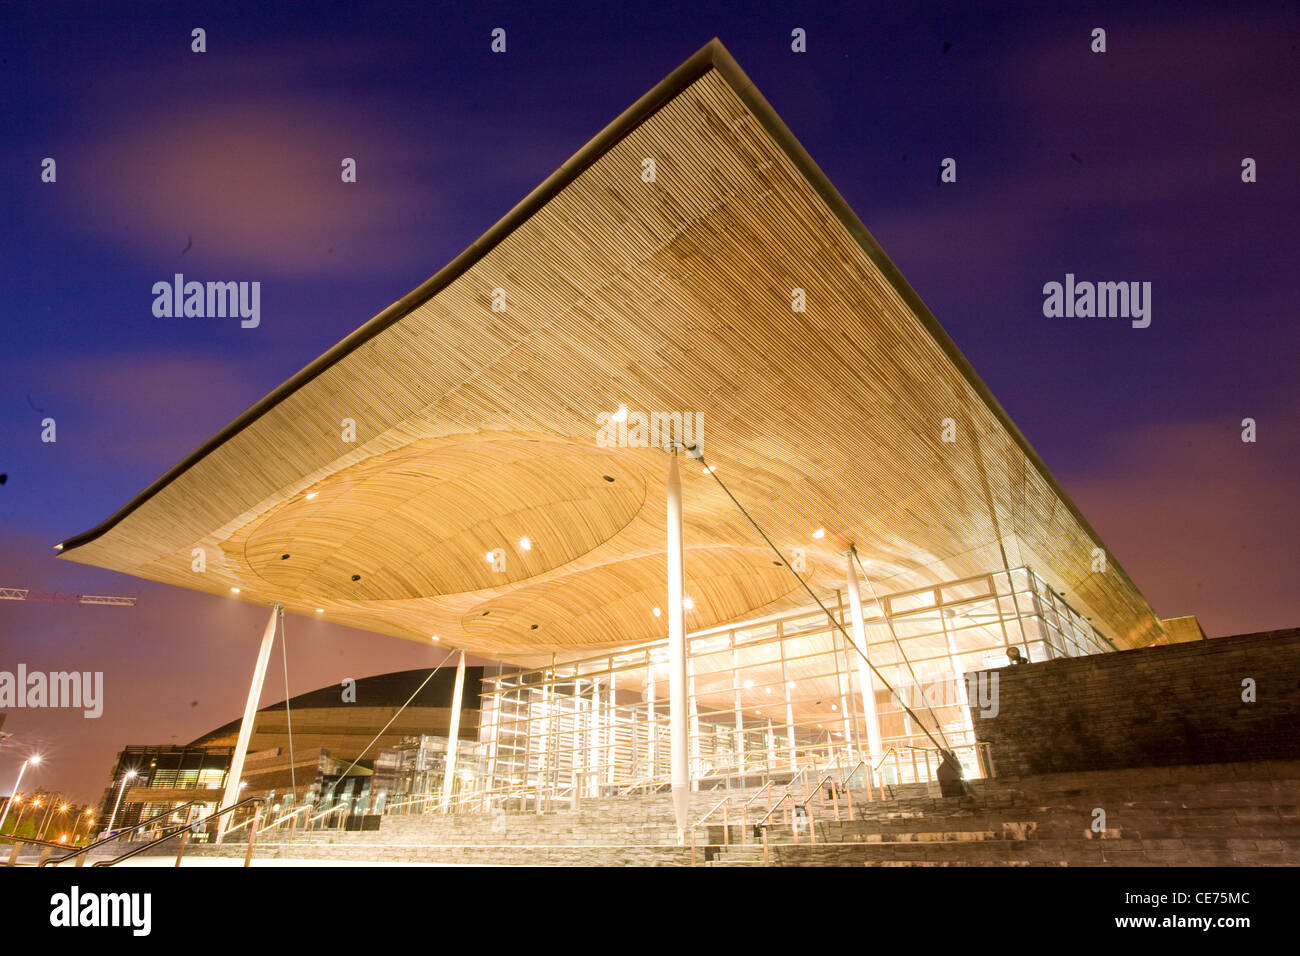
(231, 796)
(789, 707)
(677, 652)
(771, 746)
(845, 684)
(597, 740)
(579, 737)
(653, 714)
(491, 713)
(864, 672)
(544, 755)
(695, 740)
(611, 730)
(739, 707)
(453, 733)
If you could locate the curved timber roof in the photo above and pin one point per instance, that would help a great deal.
(475, 427)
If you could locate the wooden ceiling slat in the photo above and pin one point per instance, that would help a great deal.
(475, 427)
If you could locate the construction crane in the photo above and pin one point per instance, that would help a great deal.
(63, 597)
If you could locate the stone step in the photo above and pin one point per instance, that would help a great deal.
(1206, 816)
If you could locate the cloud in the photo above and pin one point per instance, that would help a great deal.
(256, 187)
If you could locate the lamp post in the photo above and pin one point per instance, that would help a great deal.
(63, 808)
(29, 803)
(89, 819)
(44, 820)
(129, 775)
(33, 759)
(17, 798)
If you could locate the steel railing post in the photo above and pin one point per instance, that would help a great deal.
(180, 848)
(252, 836)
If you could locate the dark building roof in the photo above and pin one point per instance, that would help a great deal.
(382, 691)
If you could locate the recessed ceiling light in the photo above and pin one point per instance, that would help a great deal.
(312, 494)
(710, 468)
(790, 684)
(749, 684)
(835, 706)
(320, 610)
(434, 637)
(819, 533)
(688, 604)
(234, 590)
(525, 544)
(657, 612)
(767, 690)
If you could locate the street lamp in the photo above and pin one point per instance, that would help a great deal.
(129, 775)
(62, 810)
(31, 803)
(22, 808)
(33, 759)
(89, 819)
(40, 831)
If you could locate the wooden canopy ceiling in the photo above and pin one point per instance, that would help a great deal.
(476, 428)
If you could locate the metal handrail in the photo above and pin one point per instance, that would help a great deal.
(883, 758)
(744, 806)
(853, 770)
(650, 781)
(776, 806)
(33, 841)
(230, 830)
(726, 828)
(278, 820)
(426, 799)
(716, 807)
(786, 795)
(824, 777)
(119, 834)
(802, 773)
(334, 809)
(177, 832)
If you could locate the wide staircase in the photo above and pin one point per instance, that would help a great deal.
(1225, 814)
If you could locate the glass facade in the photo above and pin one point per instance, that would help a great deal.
(165, 770)
(771, 696)
(409, 778)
